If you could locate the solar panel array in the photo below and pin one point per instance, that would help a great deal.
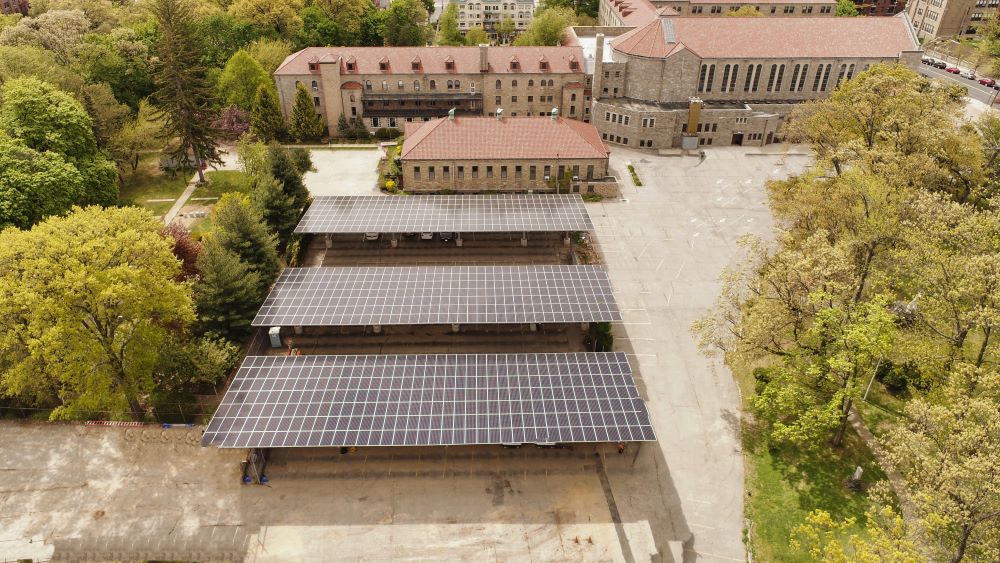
(446, 213)
(409, 400)
(359, 296)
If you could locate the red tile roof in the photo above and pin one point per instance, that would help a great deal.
(761, 38)
(431, 60)
(634, 12)
(488, 138)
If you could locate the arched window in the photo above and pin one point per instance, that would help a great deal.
(458, 84)
(572, 98)
(434, 85)
(725, 78)
(551, 82)
(513, 83)
(531, 83)
(416, 84)
(498, 84)
(450, 84)
(352, 97)
(315, 85)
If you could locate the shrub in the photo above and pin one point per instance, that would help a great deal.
(635, 177)
(385, 134)
(599, 337)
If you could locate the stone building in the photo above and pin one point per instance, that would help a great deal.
(489, 14)
(692, 81)
(638, 12)
(14, 7)
(517, 154)
(880, 7)
(947, 18)
(386, 87)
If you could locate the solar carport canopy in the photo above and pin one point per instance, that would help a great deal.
(449, 399)
(446, 213)
(359, 296)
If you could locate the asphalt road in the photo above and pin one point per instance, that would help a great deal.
(977, 91)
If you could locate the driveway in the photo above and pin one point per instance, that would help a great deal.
(344, 171)
(665, 247)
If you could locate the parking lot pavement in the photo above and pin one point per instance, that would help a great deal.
(665, 246)
(72, 492)
(344, 171)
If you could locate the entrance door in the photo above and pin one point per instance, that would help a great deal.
(770, 137)
(737, 139)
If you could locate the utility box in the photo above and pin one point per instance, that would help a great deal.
(274, 333)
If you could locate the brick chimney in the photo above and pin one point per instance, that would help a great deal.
(484, 60)
(595, 84)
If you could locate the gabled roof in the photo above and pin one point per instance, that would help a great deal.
(510, 138)
(399, 60)
(761, 38)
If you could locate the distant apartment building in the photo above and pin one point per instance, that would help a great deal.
(948, 18)
(637, 12)
(386, 87)
(489, 13)
(518, 154)
(879, 7)
(14, 7)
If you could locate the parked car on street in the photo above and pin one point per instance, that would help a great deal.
(939, 64)
(953, 70)
(987, 82)
(927, 60)
(968, 74)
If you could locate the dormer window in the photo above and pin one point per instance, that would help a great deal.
(352, 64)
(415, 63)
(573, 64)
(313, 67)
(543, 63)
(449, 63)
(383, 66)
(515, 65)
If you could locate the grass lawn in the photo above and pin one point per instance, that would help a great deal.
(200, 227)
(149, 182)
(784, 485)
(221, 182)
(883, 410)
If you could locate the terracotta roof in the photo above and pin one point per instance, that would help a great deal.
(489, 138)
(431, 60)
(634, 12)
(775, 2)
(762, 38)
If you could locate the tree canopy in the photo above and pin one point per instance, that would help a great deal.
(547, 27)
(240, 79)
(405, 23)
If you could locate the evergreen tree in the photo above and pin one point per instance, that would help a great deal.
(405, 23)
(286, 170)
(240, 229)
(306, 124)
(266, 120)
(228, 292)
(183, 96)
(344, 128)
(302, 159)
(448, 33)
(277, 207)
(240, 80)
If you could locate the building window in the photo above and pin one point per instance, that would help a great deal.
(517, 172)
(781, 74)
(489, 171)
(590, 171)
(795, 78)
(430, 173)
(725, 78)
(475, 172)
(461, 172)
(446, 172)
(770, 78)
(531, 99)
(434, 85)
(850, 72)
(802, 78)
(626, 120)
(513, 83)
(383, 65)
(547, 171)
(497, 100)
(368, 84)
(385, 85)
(416, 172)
(531, 172)
(416, 85)
(503, 172)
(375, 122)
(789, 9)
(513, 99)
(499, 85)
(350, 66)
(400, 85)
(316, 101)
(732, 79)
(572, 97)
(531, 83)
(315, 86)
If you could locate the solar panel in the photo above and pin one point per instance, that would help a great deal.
(359, 296)
(447, 399)
(446, 213)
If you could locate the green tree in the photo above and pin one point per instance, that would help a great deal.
(48, 120)
(846, 8)
(306, 124)
(448, 33)
(220, 35)
(85, 301)
(278, 208)
(183, 97)
(476, 36)
(266, 119)
(288, 169)
(347, 15)
(108, 114)
(829, 541)
(26, 61)
(227, 293)
(240, 80)
(34, 185)
(506, 30)
(371, 30)
(119, 59)
(140, 134)
(948, 454)
(406, 23)
(240, 229)
(58, 31)
(195, 363)
(270, 53)
(274, 18)
(547, 27)
(318, 29)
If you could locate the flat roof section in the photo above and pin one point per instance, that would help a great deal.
(430, 400)
(508, 213)
(359, 296)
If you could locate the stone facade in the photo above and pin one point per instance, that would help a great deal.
(519, 81)
(946, 18)
(14, 7)
(477, 176)
(489, 14)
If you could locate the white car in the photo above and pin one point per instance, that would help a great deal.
(426, 236)
(372, 236)
(968, 74)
